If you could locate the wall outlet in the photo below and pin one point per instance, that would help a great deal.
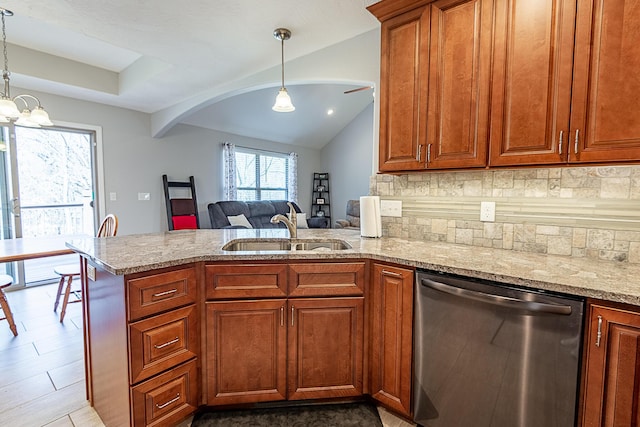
(391, 208)
(144, 196)
(488, 211)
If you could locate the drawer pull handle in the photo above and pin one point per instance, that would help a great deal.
(391, 273)
(599, 334)
(173, 341)
(164, 405)
(293, 314)
(165, 293)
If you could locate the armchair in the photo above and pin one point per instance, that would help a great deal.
(353, 216)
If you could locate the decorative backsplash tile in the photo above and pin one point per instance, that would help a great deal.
(582, 212)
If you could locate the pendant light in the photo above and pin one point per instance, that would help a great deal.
(31, 117)
(283, 100)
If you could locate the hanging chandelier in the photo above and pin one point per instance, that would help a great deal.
(31, 117)
(283, 100)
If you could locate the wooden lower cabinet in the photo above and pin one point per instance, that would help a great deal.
(142, 340)
(246, 351)
(391, 302)
(325, 346)
(612, 368)
(248, 342)
(307, 345)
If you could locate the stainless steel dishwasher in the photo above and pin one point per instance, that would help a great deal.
(488, 354)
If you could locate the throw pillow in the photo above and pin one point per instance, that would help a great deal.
(302, 220)
(240, 220)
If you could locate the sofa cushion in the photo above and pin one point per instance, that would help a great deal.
(239, 220)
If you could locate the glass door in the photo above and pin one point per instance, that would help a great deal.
(7, 225)
(51, 170)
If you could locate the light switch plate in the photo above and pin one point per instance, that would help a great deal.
(391, 208)
(144, 196)
(112, 196)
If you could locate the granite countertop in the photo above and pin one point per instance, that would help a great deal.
(607, 280)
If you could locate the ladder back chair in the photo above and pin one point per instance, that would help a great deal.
(108, 228)
(182, 212)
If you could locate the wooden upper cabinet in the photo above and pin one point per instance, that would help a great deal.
(472, 83)
(458, 95)
(606, 85)
(435, 70)
(404, 56)
(531, 83)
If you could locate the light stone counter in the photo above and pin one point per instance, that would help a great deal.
(613, 281)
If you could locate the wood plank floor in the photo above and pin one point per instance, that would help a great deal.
(42, 371)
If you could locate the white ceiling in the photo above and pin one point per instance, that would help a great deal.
(151, 55)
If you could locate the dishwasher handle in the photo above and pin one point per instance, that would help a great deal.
(508, 302)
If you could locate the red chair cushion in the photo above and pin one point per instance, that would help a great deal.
(184, 222)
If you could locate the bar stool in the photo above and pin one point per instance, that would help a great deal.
(108, 228)
(5, 281)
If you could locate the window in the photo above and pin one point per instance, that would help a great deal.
(261, 175)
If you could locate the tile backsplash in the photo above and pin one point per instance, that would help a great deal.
(580, 211)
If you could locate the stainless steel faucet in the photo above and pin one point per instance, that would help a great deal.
(291, 222)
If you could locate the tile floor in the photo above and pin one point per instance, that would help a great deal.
(42, 374)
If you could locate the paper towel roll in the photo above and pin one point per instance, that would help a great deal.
(370, 220)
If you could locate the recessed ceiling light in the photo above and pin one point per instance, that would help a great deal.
(330, 112)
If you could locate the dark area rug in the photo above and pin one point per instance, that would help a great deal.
(333, 415)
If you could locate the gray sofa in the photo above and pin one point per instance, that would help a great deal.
(258, 213)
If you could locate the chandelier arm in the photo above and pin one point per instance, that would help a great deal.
(26, 95)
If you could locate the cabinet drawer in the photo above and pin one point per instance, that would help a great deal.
(166, 399)
(327, 279)
(162, 341)
(160, 292)
(246, 281)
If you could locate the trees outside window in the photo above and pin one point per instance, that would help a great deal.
(261, 175)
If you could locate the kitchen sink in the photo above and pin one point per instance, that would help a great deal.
(255, 244)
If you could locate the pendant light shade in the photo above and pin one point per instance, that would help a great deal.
(283, 102)
(31, 117)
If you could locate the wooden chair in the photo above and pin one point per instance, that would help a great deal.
(182, 212)
(6, 280)
(108, 228)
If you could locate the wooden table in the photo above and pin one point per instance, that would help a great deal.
(33, 247)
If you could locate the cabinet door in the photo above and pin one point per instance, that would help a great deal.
(392, 337)
(245, 351)
(531, 81)
(606, 86)
(459, 72)
(325, 347)
(612, 368)
(403, 85)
